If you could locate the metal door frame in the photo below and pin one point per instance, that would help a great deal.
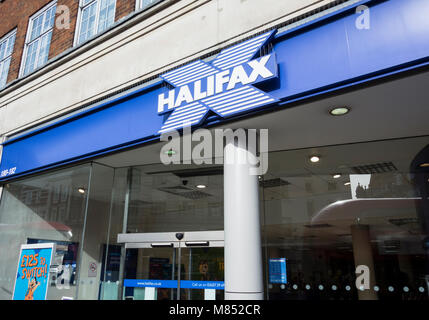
(168, 239)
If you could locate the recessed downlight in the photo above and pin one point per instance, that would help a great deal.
(314, 159)
(201, 186)
(336, 176)
(339, 111)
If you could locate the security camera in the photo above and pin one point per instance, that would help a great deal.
(180, 235)
(184, 182)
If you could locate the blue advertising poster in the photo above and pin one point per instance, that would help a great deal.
(277, 270)
(32, 276)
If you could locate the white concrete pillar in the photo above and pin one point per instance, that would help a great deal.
(243, 256)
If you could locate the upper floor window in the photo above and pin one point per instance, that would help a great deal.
(38, 40)
(95, 16)
(6, 49)
(143, 4)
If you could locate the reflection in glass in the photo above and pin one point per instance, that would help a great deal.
(48, 208)
(365, 238)
(163, 200)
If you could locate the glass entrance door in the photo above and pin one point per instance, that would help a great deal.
(203, 278)
(158, 266)
(150, 274)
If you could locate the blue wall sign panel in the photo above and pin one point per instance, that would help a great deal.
(324, 55)
(277, 270)
(120, 122)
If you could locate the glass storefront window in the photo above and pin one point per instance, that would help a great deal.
(71, 208)
(48, 208)
(114, 253)
(96, 230)
(164, 199)
(351, 226)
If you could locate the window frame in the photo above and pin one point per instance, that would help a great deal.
(6, 38)
(97, 20)
(27, 43)
(139, 6)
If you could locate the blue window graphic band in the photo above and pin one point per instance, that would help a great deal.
(184, 284)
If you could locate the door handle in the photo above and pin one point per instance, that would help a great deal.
(161, 244)
(197, 243)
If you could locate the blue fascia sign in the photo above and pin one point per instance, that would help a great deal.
(266, 72)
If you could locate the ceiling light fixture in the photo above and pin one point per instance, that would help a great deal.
(81, 190)
(201, 186)
(336, 176)
(339, 111)
(347, 183)
(424, 165)
(315, 159)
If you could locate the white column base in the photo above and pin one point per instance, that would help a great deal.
(244, 296)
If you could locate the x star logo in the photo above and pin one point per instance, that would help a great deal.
(223, 86)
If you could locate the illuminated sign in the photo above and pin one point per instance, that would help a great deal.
(277, 270)
(223, 86)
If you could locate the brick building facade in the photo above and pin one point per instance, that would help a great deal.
(15, 15)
